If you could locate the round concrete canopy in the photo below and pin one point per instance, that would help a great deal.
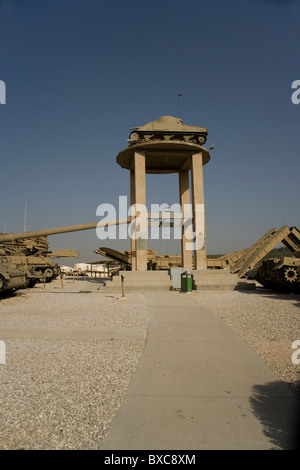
(163, 157)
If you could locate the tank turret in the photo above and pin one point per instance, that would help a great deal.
(168, 128)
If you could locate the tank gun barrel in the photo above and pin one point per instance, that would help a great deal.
(7, 237)
(55, 231)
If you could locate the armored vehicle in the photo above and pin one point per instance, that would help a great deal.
(154, 260)
(158, 262)
(11, 278)
(168, 128)
(19, 247)
(30, 256)
(279, 274)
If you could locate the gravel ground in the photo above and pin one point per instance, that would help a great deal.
(59, 393)
(62, 394)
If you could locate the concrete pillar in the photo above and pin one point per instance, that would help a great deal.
(139, 164)
(132, 202)
(198, 211)
(184, 193)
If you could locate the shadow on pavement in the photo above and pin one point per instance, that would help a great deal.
(280, 424)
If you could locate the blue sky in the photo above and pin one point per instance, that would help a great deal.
(80, 73)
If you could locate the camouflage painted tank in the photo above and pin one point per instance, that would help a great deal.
(30, 257)
(168, 128)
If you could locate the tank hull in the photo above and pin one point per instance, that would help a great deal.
(28, 256)
(36, 268)
(168, 129)
(279, 274)
(11, 278)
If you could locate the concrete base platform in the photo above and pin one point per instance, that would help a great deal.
(143, 281)
(139, 281)
(219, 279)
(200, 386)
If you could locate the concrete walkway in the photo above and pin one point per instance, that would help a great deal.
(199, 385)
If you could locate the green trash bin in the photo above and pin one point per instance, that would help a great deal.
(186, 282)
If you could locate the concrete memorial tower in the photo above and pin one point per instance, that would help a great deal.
(168, 146)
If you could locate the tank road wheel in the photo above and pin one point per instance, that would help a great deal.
(201, 139)
(56, 271)
(134, 136)
(290, 274)
(48, 273)
(148, 137)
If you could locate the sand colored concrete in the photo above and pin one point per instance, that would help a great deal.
(199, 385)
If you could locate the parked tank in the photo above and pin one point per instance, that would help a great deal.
(11, 272)
(279, 274)
(154, 260)
(168, 128)
(30, 256)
